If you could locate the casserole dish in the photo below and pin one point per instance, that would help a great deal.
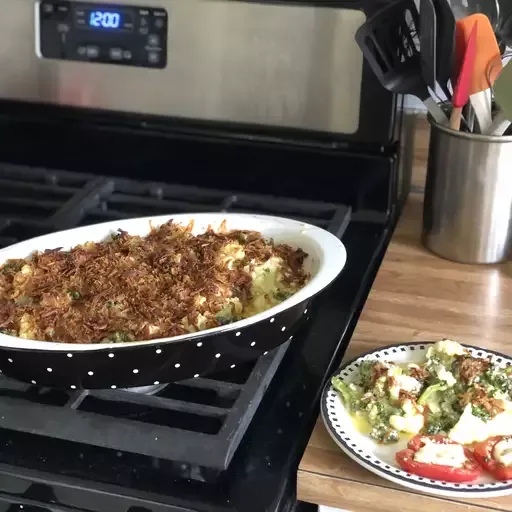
(142, 363)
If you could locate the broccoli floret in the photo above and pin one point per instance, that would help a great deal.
(365, 373)
(430, 392)
(281, 295)
(379, 412)
(12, 266)
(74, 294)
(439, 423)
(434, 426)
(384, 435)
(499, 379)
(350, 397)
(480, 412)
(118, 337)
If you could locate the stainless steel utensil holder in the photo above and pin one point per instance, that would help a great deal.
(467, 215)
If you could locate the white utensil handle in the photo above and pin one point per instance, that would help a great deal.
(482, 105)
(435, 110)
(499, 126)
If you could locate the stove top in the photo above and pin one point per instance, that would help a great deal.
(225, 443)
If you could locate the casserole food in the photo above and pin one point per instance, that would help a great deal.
(146, 361)
(131, 288)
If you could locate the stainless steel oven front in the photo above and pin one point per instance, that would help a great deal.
(283, 65)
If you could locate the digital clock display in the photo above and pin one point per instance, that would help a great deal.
(105, 19)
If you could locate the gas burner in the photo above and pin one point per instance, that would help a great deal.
(147, 390)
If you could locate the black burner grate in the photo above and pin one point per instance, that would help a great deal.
(198, 423)
(38, 201)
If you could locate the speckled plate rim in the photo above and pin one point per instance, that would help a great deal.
(350, 445)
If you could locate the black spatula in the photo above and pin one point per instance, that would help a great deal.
(428, 42)
(445, 44)
(390, 45)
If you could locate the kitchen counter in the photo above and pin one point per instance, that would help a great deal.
(416, 296)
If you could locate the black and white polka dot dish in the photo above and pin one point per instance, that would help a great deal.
(148, 363)
(380, 459)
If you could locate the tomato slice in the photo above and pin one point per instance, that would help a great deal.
(469, 472)
(484, 454)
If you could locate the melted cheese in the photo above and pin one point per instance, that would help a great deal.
(447, 376)
(409, 424)
(442, 454)
(231, 254)
(412, 421)
(405, 382)
(470, 429)
(503, 452)
(27, 327)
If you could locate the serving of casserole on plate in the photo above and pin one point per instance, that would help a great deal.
(435, 417)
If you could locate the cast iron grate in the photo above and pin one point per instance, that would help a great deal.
(40, 201)
(198, 422)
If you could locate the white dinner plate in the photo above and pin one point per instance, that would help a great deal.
(380, 459)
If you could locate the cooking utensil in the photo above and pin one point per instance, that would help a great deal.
(445, 46)
(462, 88)
(428, 48)
(503, 96)
(500, 124)
(490, 8)
(141, 363)
(387, 41)
(487, 52)
(504, 32)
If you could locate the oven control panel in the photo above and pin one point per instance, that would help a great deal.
(110, 34)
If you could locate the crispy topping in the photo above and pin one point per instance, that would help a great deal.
(378, 370)
(404, 395)
(478, 397)
(419, 373)
(138, 288)
(469, 368)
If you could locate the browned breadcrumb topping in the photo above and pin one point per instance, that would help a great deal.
(378, 370)
(469, 367)
(478, 396)
(419, 373)
(404, 395)
(143, 287)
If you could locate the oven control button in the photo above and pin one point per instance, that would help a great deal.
(48, 10)
(62, 9)
(127, 55)
(159, 23)
(154, 57)
(154, 40)
(82, 51)
(116, 53)
(93, 52)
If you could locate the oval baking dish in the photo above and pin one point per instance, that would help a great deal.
(141, 363)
